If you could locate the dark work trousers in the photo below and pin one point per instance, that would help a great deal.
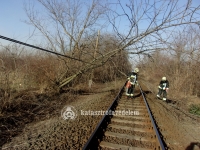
(161, 91)
(131, 90)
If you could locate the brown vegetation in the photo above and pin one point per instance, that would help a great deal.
(27, 81)
(179, 63)
(30, 84)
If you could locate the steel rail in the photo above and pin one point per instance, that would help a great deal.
(97, 135)
(160, 142)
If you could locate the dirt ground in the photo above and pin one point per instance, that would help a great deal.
(180, 129)
(56, 133)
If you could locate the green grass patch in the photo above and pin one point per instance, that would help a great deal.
(195, 109)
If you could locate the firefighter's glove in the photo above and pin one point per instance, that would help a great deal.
(159, 87)
(164, 88)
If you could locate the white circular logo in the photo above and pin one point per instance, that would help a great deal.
(68, 112)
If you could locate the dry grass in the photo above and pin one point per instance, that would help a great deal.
(27, 107)
(37, 117)
(182, 75)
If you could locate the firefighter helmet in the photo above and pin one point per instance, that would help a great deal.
(136, 70)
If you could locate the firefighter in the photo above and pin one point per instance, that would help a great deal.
(132, 80)
(163, 88)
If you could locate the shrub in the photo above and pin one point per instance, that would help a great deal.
(195, 109)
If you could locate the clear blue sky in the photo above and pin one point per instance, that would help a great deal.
(12, 16)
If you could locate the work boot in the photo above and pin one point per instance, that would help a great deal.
(158, 96)
(164, 99)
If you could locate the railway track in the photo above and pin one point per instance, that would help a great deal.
(129, 126)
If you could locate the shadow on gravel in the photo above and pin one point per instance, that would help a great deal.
(139, 94)
(171, 101)
(147, 92)
(86, 92)
(193, 146)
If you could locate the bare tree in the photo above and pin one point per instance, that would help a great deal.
(65, 23)
(150, 23)
(141, 26)
(11, 78)
(179, 63)
(186, 48)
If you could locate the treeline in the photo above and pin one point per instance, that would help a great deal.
(21, 69)
(179, 63)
